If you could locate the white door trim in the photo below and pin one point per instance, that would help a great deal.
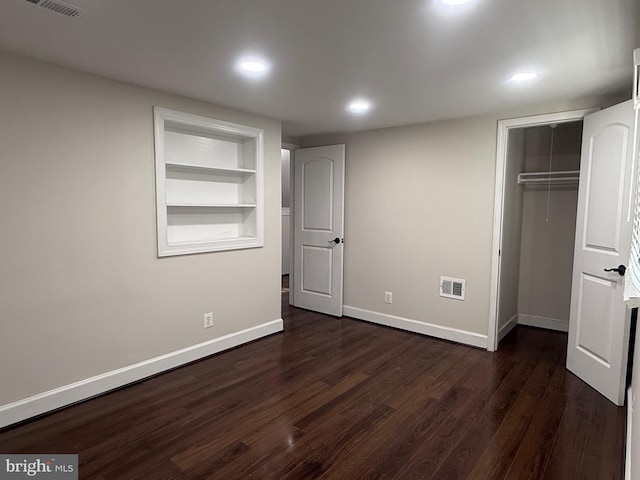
(501, 161)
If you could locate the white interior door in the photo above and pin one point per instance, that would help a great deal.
(319, 228)
(599, 319)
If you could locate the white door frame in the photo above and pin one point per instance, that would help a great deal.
(498, 208)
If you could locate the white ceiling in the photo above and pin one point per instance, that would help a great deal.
(414, 59)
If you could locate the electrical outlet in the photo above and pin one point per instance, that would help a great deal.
(208, 320)
(388, 297)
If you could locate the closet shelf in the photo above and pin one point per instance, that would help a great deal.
(568, 177)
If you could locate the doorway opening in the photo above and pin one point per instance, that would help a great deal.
(286, 155)
(537, 174)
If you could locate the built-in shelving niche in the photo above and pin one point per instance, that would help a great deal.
(209, 187)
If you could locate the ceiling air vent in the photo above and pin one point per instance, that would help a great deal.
(452, 287)
(58, 6)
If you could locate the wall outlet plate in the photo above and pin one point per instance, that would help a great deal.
(208, 320)
(388, 297)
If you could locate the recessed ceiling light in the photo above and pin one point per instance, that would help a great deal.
(359, 106)
(453, 8)
(523, 76)
(253, 67)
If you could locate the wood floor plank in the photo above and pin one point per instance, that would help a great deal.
(341, 399)
(497, 457)
(588, 438)
(424, 427)
(534, 452)
(483, 419)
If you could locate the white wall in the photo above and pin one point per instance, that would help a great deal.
(419, 204)
(285, 177)
(285, 180)
(82, 291)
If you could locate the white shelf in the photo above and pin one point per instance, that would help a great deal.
(189, 243)
(212, 205)
(208, 169)
(209, 187)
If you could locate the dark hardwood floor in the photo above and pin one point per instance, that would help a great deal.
(342, 399)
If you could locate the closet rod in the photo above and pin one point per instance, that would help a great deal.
(569, 177)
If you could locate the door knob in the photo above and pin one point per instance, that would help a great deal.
(621, 269)
(335, 240)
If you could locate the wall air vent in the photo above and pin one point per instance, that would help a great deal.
(58, 6)
(452, 287)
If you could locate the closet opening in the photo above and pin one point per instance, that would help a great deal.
(534, 229)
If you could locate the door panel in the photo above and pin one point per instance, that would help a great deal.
(606, 188)
(599, 319)
(319, 220)
(597, 301)
(317, 207)
(316, 270)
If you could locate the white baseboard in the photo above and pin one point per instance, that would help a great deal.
(90, 387)
(543, 322)
(627, 456)
(507, 327)
(446, 333)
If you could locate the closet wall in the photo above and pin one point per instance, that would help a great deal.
(548, 229)
(511, 231)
